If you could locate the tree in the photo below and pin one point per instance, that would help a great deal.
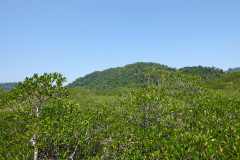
(37, 91)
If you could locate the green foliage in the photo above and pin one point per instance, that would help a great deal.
(59, 131)
(37, 90)
(205, 72)
(129, 76)
(132, 76)
(182, 120)
(175, 117)
(165, 88)
(228, 84)
(3, 97)
(49, 85)
(79, 92)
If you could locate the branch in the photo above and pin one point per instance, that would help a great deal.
(71, 157)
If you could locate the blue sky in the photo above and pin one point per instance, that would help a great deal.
(77, 37)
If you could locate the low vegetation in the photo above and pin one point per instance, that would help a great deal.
(228, 84)
(175, 116)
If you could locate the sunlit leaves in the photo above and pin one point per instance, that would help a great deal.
(175, 117)
(38, 89)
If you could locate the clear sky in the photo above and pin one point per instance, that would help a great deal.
(77, 37)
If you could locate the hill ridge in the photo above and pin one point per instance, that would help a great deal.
(132, 75)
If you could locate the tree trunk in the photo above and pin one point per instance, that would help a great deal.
(35, 154)
(33, 141)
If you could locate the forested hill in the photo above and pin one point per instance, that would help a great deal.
(7, 86)
(130, 76)
(230, 70)
(205, 72)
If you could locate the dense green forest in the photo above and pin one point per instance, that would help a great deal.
(141, 111)
(132, 76)
(205, 72)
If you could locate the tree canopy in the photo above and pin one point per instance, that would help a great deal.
(130, 76)
(205, 72)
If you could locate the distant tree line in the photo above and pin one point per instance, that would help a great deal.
(205, 72)
(7, 86)
(230, 70)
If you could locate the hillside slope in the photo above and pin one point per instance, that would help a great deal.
(130, 76)
(230, 70)
(7, 86)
